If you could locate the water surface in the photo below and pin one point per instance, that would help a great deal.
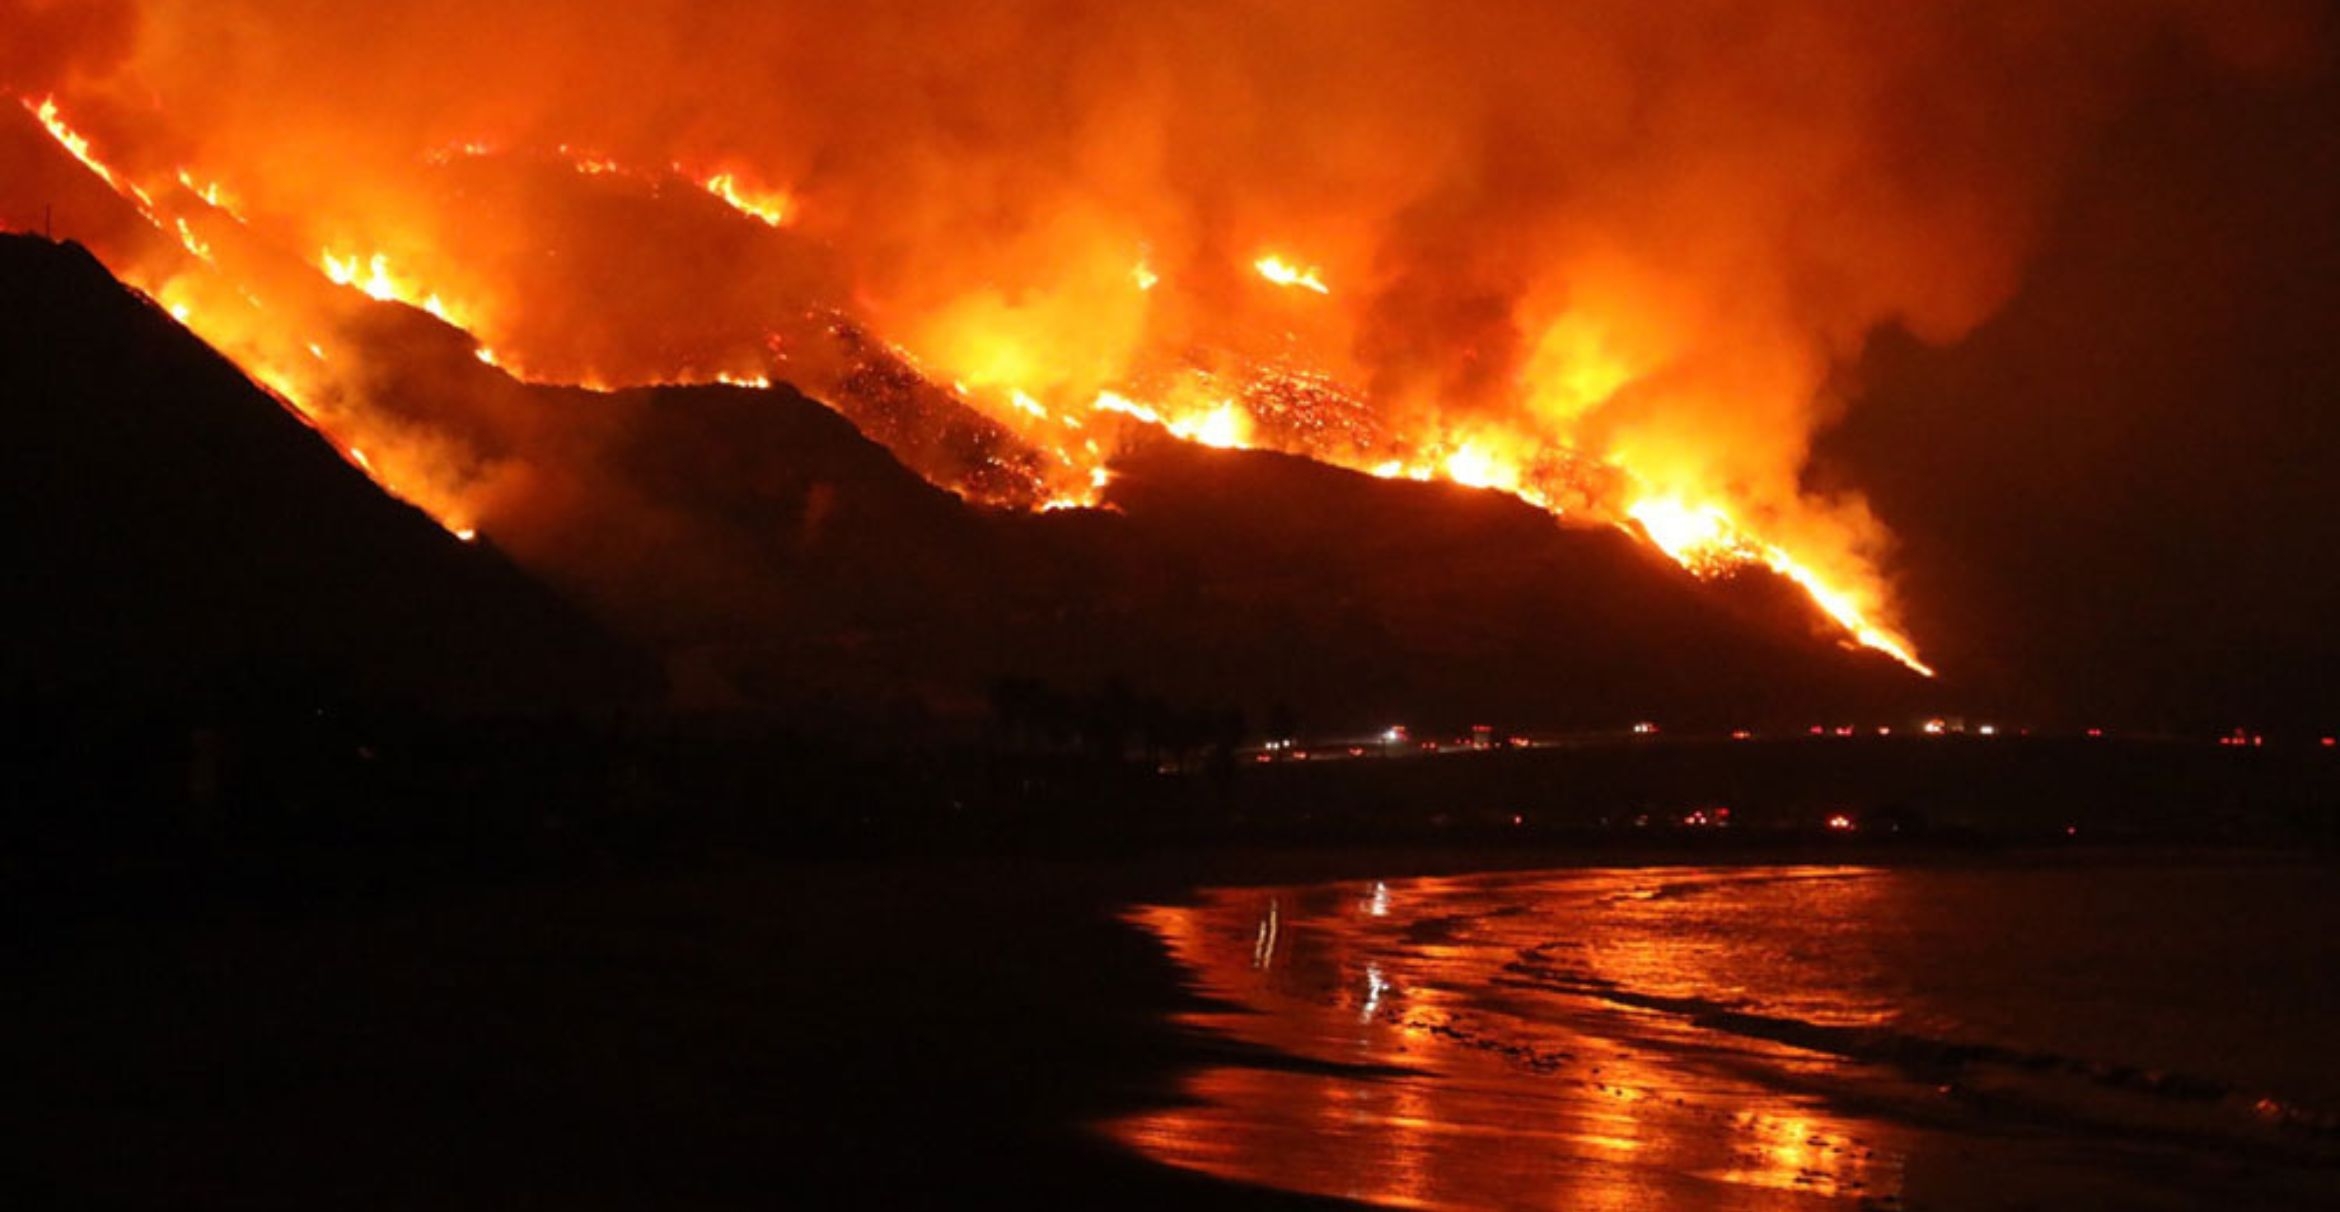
(2079, 1035)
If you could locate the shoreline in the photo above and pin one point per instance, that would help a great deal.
(717, 1034)
(1351, 989)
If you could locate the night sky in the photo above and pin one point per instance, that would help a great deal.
(2115, 497)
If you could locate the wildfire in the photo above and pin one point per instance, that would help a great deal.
(592, 165)
(1269, 397)
(373, 277)
(1283, 273)
(1839, 605)
(769, 207)
(1702, 538)
(193, 243)
(230, 317)
(1224, 425)
(1706, 541)
(212, 194)
(76, 143)
(1475, 468)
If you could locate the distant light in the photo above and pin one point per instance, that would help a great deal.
(1740, 734)
(2330, 741)
(1935, 727)
(1884, 730)
(1644, 728)
(1841, 823)
(2096, 732)
(1988, 730)
(1844, 730)
(1817, 730)
(2071, 831)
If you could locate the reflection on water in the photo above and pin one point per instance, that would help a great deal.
(1658, 1038)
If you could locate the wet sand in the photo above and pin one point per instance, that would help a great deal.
(2133, 1034)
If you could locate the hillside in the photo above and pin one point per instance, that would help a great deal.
(178, 526)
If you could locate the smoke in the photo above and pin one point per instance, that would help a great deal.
(51, 42)
(1606, 232)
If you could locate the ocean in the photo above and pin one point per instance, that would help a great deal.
(2128, 1032)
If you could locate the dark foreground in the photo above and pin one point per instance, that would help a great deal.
(751, 1034)
(507, 967)
(741, 1033)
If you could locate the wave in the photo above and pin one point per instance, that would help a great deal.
(1992, 1077)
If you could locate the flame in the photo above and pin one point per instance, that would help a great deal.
(769, 207)
(230, 316)
(1283, 273)
(1475, 468)
(1704, 539)
(73, 141)
(1604, 260)
(1640, 380)
(1225, 427)
(213, 195)
(372, 276)
(1701, 538)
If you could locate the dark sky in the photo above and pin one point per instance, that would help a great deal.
(2116, 497)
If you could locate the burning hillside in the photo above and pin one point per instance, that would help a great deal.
(1602, 259)
(178, 542)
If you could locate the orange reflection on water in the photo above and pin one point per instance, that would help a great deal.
(1450, 1047)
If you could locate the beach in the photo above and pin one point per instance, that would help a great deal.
(2141, 1032)
(744, 1034)
(749, 1032)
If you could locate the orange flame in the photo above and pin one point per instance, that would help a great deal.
(1283, 273)
(769, 207)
